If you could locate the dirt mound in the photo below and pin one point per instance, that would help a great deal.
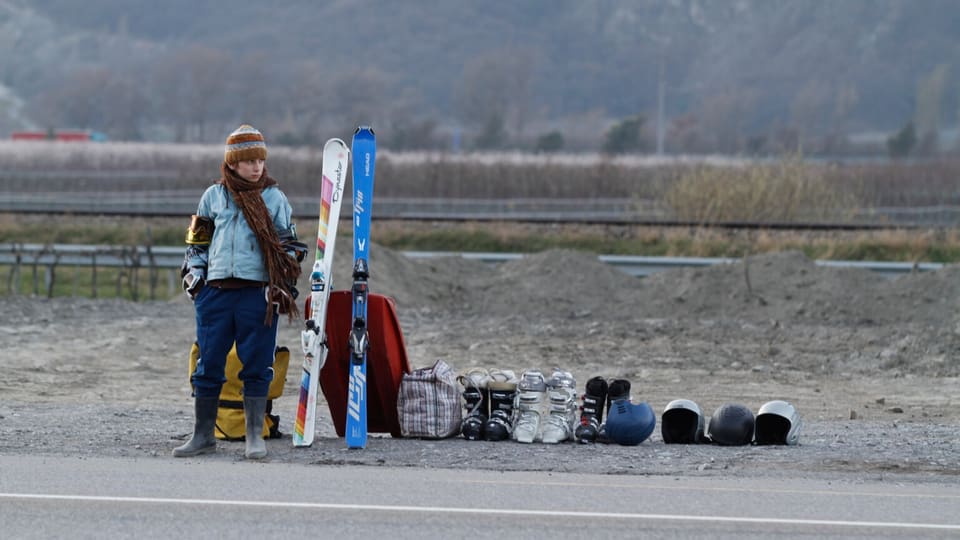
(785, 286)
(553, 283)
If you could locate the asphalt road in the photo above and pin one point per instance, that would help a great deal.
(69, 497)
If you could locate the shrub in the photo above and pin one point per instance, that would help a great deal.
(788, 190)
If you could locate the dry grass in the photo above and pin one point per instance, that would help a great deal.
(786, 191)
(920, 245)
(929, 245)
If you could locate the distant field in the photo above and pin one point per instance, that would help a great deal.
(158, 168)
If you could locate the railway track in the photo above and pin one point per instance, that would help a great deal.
(613, 211)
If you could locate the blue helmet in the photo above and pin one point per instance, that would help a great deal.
(630, 424)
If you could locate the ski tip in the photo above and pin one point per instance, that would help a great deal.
(334, 142)
(361, 129)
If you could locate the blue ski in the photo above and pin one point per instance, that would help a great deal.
(364, 155)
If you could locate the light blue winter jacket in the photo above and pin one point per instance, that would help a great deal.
(234, 251)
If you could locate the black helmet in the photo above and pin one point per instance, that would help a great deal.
(731, 425)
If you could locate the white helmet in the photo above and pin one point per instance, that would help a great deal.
(778, 423)
(682, 423)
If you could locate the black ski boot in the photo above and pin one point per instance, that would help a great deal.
(503, 392)
(591, 412)
(617, 389)
(476, 398)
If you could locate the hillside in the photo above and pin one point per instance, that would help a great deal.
(419, 69)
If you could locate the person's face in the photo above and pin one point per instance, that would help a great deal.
(249, 169)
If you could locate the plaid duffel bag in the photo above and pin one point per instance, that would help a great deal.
(429, 403)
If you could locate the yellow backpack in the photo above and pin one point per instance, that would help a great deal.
(230, 420)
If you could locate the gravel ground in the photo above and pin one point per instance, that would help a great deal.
(871, 364)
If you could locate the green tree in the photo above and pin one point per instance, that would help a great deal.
(625, 136)
(493, 136)
(550, 142)
(901, 144)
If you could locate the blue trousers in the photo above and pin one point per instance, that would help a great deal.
(225, 316)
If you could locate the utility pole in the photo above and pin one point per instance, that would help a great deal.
(661, 91)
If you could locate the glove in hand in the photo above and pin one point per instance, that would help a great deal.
(193, 281)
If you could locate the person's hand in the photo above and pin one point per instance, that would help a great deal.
(193, 281)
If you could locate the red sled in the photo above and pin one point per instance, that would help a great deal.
(386, 361)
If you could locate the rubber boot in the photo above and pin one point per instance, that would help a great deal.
(254, 409)
(203, 440)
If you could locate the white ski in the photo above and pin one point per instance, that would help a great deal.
(313, 339)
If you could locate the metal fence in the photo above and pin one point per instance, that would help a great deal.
(135, 271)
(127, 265)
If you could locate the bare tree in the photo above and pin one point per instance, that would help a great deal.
(95, 98)
(926, 119)
(361, 96)
(308, 101)
(192, 88)
(723, 118)
(809, 108)
(495, 91)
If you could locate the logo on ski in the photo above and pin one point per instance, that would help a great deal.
(357, 208)
(358, 380)
(338, 185)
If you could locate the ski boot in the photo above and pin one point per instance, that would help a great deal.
(476, 398)
(530, 396)
(502, 387)
(591, 412)
(617, 389)
(562, 394)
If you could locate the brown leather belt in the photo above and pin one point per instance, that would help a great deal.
(234, 283)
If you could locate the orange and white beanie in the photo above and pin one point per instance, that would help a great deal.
(245, 143)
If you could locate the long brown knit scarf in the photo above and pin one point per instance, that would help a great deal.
(281, 267)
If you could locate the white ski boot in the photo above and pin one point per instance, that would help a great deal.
(562, 416)
(530, 397)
